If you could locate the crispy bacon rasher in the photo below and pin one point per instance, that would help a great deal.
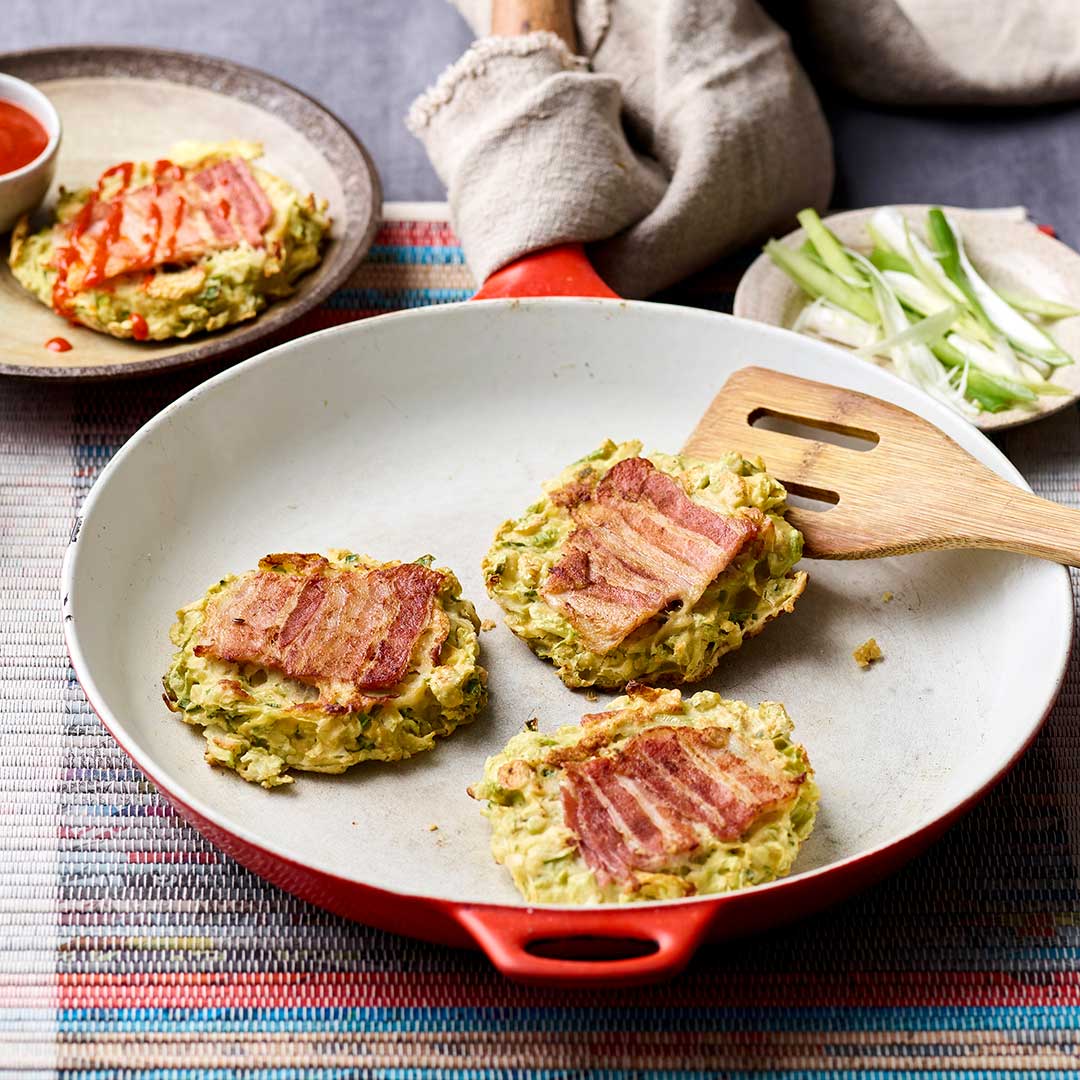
(664, 793)
(317, 623)
(640, 543)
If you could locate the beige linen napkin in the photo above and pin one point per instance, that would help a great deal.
(689, 131)
(947, 52)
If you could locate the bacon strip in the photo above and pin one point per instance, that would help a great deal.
(177, 221)
(664, 794)
(323, 624)
(640, 543)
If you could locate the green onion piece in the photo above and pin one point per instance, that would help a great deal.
(834, 324)
(914, 293)
(993, 394)
(884, 259)
(818, 281)
(829, 248)
(1003, 365)
(1021, 333)
(947, 251)
(1041, 368)
(917, 296)
(1036, 305)
(924, 332)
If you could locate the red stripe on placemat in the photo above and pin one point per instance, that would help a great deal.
(455, 989)
(416, 234)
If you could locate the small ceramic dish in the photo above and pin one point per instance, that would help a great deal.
(1010, 253)
(23, 189)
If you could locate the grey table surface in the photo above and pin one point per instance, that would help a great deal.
(367, 59)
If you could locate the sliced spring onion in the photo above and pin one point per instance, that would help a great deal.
(1040, 381)
(828, 321)
(986, 359)
(912, 360)
(924, 332)
(818, 281)
(884, 259)
(1037, 305)
(890, 229)
(928, 311)
(1003, 365)
(1020, 332)
(947, 252)
(916, 294)
(994, 395)
(829, 248)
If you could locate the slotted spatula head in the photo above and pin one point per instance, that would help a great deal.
(913, 489)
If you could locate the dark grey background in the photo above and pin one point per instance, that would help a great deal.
(367, 59)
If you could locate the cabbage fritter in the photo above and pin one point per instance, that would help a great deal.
(318, 663)
(167, 249)
(658, 798)
(610, 574)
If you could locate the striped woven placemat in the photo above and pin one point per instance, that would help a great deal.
(129, 946)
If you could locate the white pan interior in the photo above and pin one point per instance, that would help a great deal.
(422, 432)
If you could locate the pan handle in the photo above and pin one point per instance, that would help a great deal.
(612, 947)
(563, 270)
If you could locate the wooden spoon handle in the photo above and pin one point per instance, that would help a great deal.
(510, 18)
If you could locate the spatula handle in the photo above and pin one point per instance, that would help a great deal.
(1011, 519)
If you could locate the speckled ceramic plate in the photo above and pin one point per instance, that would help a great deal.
(121, 104)
(1011, 254)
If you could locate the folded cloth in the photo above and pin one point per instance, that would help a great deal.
(944, 52)
(686, 130)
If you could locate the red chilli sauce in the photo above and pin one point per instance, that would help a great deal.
(22, 138)
(107, 218)
(58, 344)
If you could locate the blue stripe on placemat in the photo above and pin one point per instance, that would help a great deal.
(374, 298)
(416, 255)
(498, 1018)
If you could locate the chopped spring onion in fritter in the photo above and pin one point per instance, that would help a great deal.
(926, 308)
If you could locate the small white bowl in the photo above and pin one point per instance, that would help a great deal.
(22, 190)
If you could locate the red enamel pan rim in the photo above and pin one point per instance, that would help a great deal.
(506, 932)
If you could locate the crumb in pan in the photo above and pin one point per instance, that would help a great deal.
(867, 653)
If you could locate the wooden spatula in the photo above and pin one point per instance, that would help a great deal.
(914, 490)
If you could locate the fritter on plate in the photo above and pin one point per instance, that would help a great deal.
(167, 248)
